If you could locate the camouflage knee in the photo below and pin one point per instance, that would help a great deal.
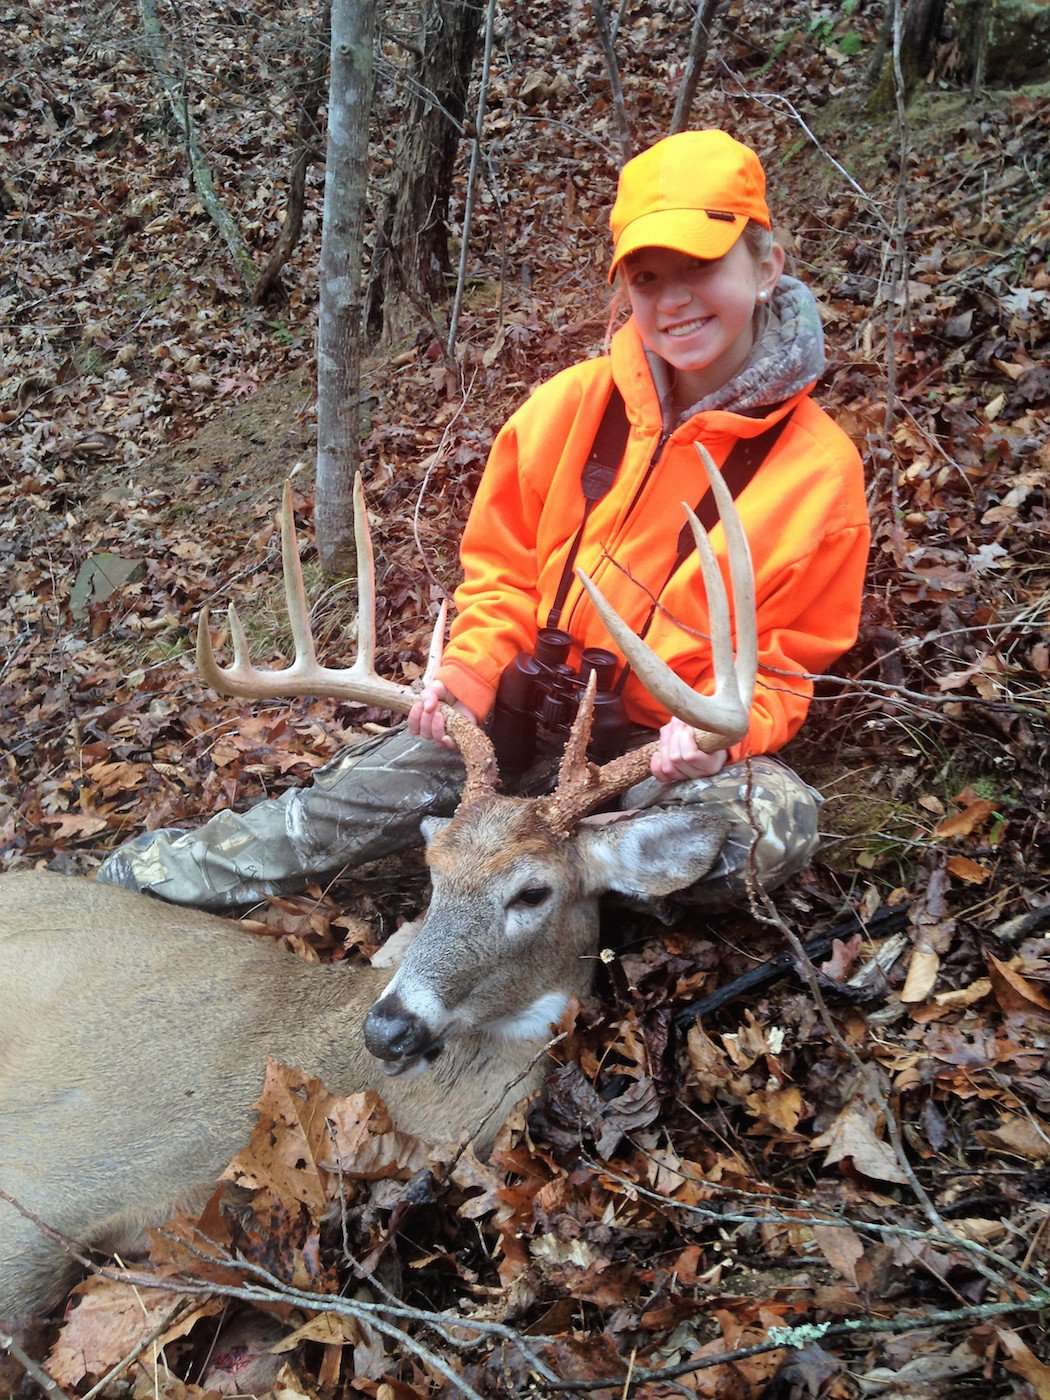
(773, 826)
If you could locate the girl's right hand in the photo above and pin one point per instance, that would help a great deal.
(425, 717)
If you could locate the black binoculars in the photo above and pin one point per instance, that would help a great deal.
(537, 699)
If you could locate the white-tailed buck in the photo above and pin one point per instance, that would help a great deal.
(133, 1034)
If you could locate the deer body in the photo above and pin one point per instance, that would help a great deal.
(134, 1034)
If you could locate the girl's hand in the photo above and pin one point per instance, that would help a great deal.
(425, 717)
(678, 757)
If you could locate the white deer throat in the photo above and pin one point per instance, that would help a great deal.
(532, 1022)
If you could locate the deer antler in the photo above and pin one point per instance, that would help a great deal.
(359, 682)
(720, 718)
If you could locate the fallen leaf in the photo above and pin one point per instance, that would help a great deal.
(109, 1321)
(852, 1135)
(841, 1247)
(922, 974)
(1022, 1136)
(969, 870)
(964, 823)
(1013, 991)
(1017, 1357)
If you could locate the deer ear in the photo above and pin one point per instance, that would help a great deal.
(652, 853)
(430, 826)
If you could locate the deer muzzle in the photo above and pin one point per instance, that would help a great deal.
(396, 1035)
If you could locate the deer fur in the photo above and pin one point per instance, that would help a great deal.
(134, 1034)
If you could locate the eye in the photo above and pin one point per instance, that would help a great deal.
(531, 896)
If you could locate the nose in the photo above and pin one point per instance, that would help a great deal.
(674, 293)
(394, 1033)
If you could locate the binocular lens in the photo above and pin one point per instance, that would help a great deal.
(603, 663)
(552, 646)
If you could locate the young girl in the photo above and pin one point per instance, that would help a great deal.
(721, 349)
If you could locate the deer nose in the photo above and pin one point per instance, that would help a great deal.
(394, 1033)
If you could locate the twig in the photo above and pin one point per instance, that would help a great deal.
(780, 1337)
(898, 265)
(307, 135)
(813, 1217)
(475, 149)
(432, 462)
(882, 922)
(276, 1291)
(543, 1050)
(763, 909)
(37, 1373)
(767, 99)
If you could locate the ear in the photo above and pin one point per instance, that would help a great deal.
(430, 826)
(652, 853)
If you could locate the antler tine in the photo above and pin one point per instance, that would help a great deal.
(742, 579)
(305, 676)
(725, 712)
(437, 644)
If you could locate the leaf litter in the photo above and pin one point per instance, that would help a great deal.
(668, 1198)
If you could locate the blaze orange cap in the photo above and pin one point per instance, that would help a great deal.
(693, 192)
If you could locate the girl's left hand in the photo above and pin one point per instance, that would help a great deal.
(678, 757)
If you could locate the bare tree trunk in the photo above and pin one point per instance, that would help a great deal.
(601, 18)
(305, 151)
(200, 172)
(411, 269)
(472, 176)
(339, 321)
(706, 11)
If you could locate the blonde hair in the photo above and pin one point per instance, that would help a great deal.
(757, 237)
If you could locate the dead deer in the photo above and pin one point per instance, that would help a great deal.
(133, 1034)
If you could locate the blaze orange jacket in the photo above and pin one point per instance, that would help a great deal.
(804, 512)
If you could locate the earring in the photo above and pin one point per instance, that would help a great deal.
(763, 296)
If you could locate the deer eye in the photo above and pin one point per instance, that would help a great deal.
(531, 895)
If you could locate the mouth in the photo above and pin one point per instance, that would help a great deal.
(413, 1064)
(686, 328)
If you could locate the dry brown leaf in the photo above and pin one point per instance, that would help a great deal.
(922, 974)
(366, 1145)
(1013, 991)
(965, 996)
(1017, 1357)
(1022, 1136)
(841, 1247)
(109, 1321)
(330, 1328)
(288, 1139)
(966, 822)
(852, 1135)
(963, 868)
(708, 1062)
(781, 1107)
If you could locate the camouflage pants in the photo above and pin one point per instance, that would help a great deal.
(369, 800)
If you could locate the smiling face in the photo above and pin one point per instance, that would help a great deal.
(698, 315)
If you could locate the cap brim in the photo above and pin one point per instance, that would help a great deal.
(689, 231)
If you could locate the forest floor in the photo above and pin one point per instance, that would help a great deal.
(676, 1195)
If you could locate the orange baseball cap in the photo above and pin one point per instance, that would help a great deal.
(693, 192)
